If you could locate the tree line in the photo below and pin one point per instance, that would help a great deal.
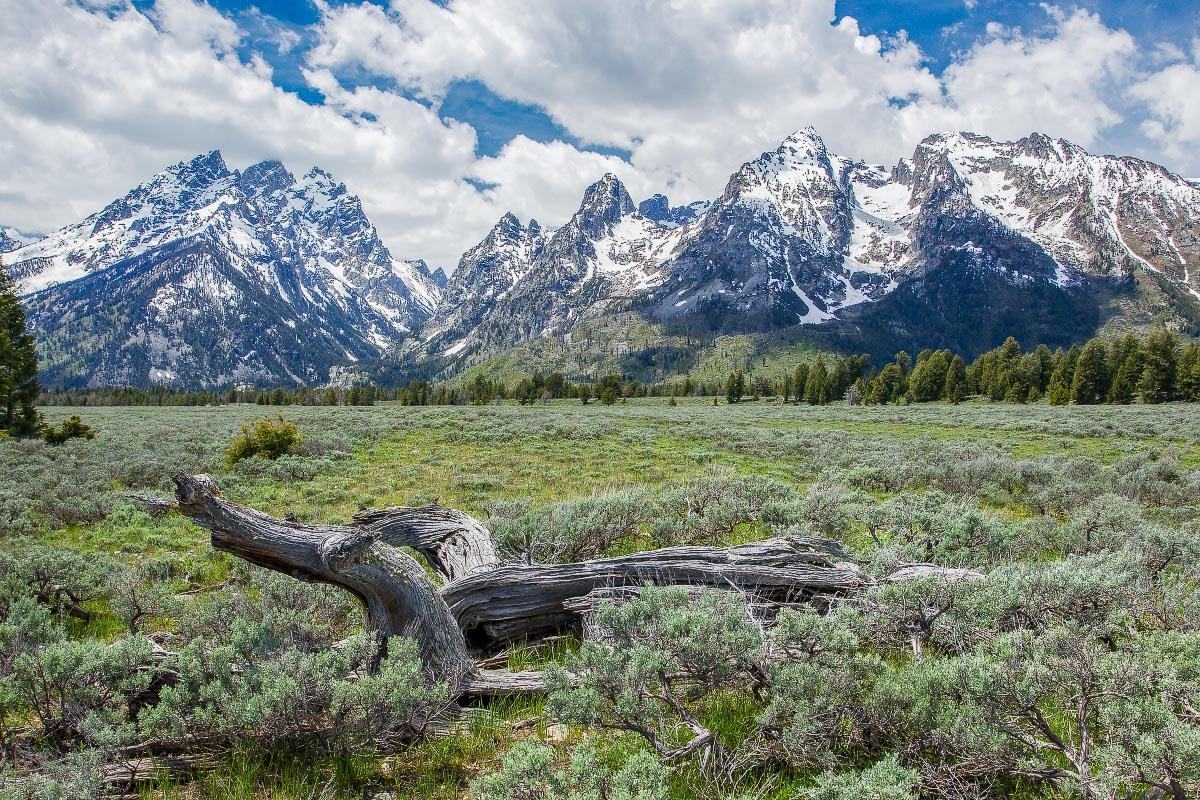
(1156, 368)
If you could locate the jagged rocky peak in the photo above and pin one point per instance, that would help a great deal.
(509, 237)
(199, 173)
(604, 204)
(805, 143)
(319, 182)
(508, 227)
(290, 274)
(803, 151)
(182, 185)
(801, 159)
(930, 174)
(13, 239)
(656, 208)
(266, 177)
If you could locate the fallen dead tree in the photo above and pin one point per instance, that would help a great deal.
(484, 604)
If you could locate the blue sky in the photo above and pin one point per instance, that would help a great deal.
(442, 116)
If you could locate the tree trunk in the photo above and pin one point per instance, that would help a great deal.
(399, 597)
(516, 601)
(486, 605)
(455, 544)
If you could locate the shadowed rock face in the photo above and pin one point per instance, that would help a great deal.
(204, 276)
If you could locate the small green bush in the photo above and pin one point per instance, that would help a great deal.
(72, 428)
(267, 438)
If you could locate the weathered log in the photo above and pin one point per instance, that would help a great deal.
(455, 544)
(126, 775)
(488, 605)
(517, 601)
(499, 682)
(399, 597)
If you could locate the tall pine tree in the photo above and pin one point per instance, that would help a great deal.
(18, 364)
(1091, 381)
(816, 388)
(955, 388)
(1157, 384)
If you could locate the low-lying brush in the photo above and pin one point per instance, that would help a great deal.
(1063, 664)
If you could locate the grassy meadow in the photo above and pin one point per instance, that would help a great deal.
(894, 484)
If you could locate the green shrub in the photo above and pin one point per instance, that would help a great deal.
(885, 780)
(267, 438)
(72, 428)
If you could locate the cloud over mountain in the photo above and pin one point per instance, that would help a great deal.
(97, 95)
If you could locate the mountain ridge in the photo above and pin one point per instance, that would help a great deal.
(967, 240)
(802, 236)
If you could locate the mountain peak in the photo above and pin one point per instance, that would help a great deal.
(806, 143)
(656, 208)
(604, 203)
(204, 169)
(266, 176)
(805, 136)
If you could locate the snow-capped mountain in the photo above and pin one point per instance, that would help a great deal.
(207, 276)
(797, 235)
(966, 241)
(12, 239)
(485, 275)
(522, 283)
(1091, 214)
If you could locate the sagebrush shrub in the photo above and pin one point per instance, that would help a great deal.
(268, 438)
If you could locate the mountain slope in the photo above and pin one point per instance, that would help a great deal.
(206, 276)
(521, 284)
(965, 243)
(12, 239)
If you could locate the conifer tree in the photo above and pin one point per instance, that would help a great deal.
(1128, 375)
(1059, 390)
(735, 387)
(800, 380)
(1090, 385)
(18, 364)
(955, 388)
(1045, 361)
(1157, 384)
(1188, 381)
(816, 388)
